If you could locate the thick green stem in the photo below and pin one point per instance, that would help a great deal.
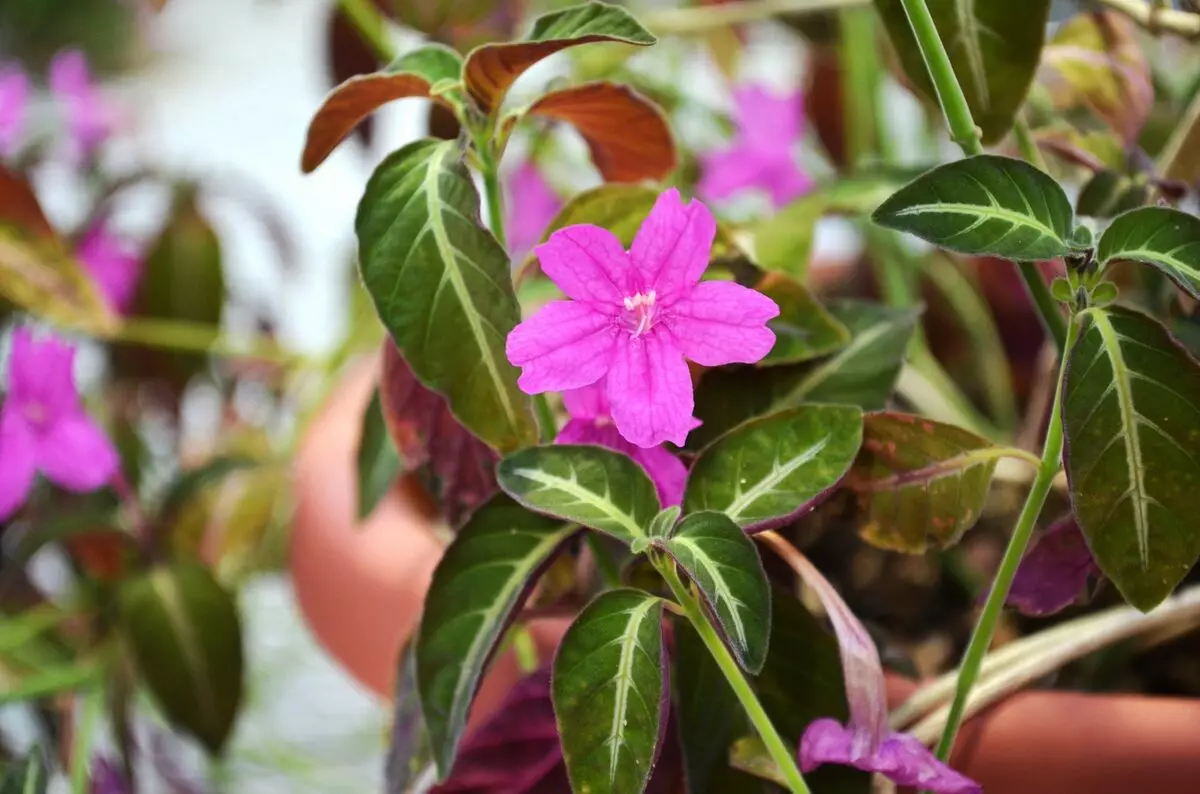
(371, 25)
(981, 638)
(85, 734)
(783, 756)
(495, 201)
(1048, 309)
(861, 82)
(200, 338)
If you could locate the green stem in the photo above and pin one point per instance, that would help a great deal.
(199, 338)
(371, 25)
(81, 750)
(495, 201)
(860, 87)
(981, 637)
(547, 422)
(783, 756)
(964, 132)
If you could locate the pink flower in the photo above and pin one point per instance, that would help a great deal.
(114, 268)
(591, 424)
(532, 205)
(90, 119)
(768, 127)
(14, 102)
(43, 426)
(637, 317)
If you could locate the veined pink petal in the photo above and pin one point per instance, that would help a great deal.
(114, 267)
(672, 247)
(588, 264)
(667, 471)
(89, 117)
(14, 106)
(650, 391)
(532, 205)
(727, 172)
(720, 322)
(566, 345)
(76, 454)
(18, 460)
(589, 402)
(41, 373)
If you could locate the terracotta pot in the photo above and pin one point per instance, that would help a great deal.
(361, 588)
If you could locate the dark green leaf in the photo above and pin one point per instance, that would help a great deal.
(487, 569)
(803, 329)
(664, 523)
(768, 470)
(589, 485)
(1164, 238)
(441, 284)
(1110, 193)
(191, 482)
(492, 68)
(31, 775)
(723, 563)
(183, 632)
(48, 681)
(609, 695)
(1131, 413)
(784, 241)
(408, 750)
(379, 463)
(994, 49)
(709, 714)
(920, 483)
(985, 204)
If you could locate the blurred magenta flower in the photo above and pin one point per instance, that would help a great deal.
(107, 777)
(636, 317)
(866, 741)
(90, 118)
(1055, 572)
(591, 423)
(761, 156)
(114, 267)
(531, 205)
(43, 426)
(14, 104)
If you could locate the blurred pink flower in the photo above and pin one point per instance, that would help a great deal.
(591, 423)
(636, 317)
(768, 127)
(114, 268)
(90, 118)
(531, 204)
(43, 426)
(14, 103)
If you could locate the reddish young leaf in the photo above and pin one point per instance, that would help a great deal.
(823, 101)
(19, 205)
(348, 55)
(425, 431)
(1055, 572)
(626, 133)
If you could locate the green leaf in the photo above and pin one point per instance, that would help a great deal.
(1131, 413)
(994, 49)
(441, 285)
(589, 485)
(985, 204)
(183, 632)
(1164, 238)
(480, 582)
(609, 695)
(492, 68)
(48, 681)
(664, 523)
(919, 483)
(1110, 193)
(784, 241)
(379, 463)
(765, 472)
(38, 275)
(191, 482)
(724, 564)
(804, 329)
(709, 714)
(29, 776)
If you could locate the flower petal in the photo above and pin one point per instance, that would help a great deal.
(41, 372)
(76, 454)
(768, 121)
(18, 460)
(720, 322)
(650, 391)
(672, 247)
(727, 172)
(1055, 572)
(589, 402)
(786, 182)
(89, 117)
(532, 204)
(14, 106)
(900, 758)
(115, 269)
(588, 264)
(667, 471)
(565, 345)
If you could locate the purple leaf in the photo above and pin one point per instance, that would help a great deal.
(1054, 573)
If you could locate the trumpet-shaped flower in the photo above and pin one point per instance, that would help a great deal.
(531, 206)
(90, 118)
(14, 104)
(761, 156)
(591, 423)
(634, 318)
(43, 426)
(113, 266)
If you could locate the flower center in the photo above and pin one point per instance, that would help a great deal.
(639, 313)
